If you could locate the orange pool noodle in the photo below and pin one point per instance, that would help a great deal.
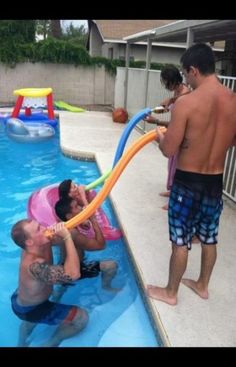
(110, 182)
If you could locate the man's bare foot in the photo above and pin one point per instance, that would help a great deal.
(165, 207)
(192, 284)
(160, 294)
(165, 194)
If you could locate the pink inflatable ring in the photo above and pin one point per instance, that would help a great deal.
(41, 208)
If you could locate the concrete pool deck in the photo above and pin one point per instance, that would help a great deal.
(193, 322)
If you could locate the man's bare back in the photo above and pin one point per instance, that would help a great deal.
(205, 121)
(202, 128)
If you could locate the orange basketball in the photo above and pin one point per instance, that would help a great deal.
(120, 115)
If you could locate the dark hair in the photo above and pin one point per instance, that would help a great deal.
(201, 57)
(63, 207)
(171, 76)
(18, 233)
(64, 188)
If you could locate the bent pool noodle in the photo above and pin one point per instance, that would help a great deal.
(134, 120)
(98, 180)
(110, 182)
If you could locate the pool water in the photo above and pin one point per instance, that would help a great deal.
(115, 319)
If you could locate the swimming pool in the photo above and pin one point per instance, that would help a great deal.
(114, 319)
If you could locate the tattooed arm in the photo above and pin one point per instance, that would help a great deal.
(71, 265)
(50, 274)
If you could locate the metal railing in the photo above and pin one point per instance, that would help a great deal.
(229, 182)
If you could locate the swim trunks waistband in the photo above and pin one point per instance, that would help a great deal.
(198, 177)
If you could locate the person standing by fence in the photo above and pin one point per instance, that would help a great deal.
(202, 128)
(172, 80)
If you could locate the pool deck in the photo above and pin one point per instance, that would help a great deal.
(193, 322)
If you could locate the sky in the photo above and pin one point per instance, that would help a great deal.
(76, 23)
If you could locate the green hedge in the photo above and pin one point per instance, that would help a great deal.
(59, 52)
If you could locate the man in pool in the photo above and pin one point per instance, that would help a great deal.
(202, 128)
(37, 275)
(65, 210)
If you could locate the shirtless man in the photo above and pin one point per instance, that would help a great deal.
(30, 302)
(202, 127)
(67, 209)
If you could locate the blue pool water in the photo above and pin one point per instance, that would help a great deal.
(114, 319)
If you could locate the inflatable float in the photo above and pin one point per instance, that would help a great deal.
(39, 117)
(41, 208)
(34, 98)
(30, 133)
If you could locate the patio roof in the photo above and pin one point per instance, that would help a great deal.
(188, 31)
(203, 31)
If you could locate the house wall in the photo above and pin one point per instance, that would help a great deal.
(162, 55)
(95, 42)
(159, 54)
(116, 50)
(75, 85)
(138, 52)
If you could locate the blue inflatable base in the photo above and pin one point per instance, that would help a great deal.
(35, 117)
(4, 117)
(38, 117)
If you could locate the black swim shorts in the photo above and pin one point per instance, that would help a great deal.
(90, 269)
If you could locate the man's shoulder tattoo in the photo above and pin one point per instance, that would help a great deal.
(49, 274)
